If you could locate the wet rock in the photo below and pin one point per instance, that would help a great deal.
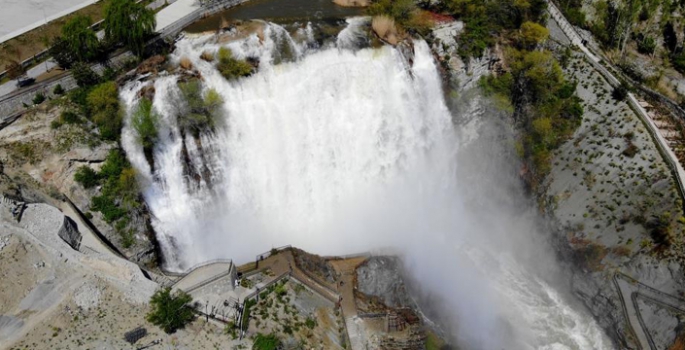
(381, 277)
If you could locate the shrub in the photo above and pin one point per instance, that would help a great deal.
(86, 176)
(207, 56)
(144, 122)
(58, 90)
(532, 34)
(230, 67)
(310, 323)
(170, 311)
(647, 45)
(69, 117)
(84, 75)
(39, 98)
(266, 342)
(14, 69)
(103, 102)
(399, 10)
(202, 112)
(185, 63)
(384, 27)
(619, 93)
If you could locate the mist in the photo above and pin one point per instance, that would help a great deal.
(354, 150)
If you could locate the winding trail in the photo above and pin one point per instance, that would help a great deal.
(661, 142)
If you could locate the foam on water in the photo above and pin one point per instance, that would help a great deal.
(339, 151)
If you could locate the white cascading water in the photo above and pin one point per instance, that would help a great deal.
(340, 150)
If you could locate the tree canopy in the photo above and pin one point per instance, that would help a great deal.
(128, 23)
(80, 39)
(170, 311)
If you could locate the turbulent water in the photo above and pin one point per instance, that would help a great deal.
(337, 150)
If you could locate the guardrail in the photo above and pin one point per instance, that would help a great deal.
(254, 294)
(662, 145)
(195, 267)
(209, 280)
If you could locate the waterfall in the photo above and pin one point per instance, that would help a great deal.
(338, 151)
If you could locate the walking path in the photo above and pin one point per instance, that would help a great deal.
(629, 291)
(661, 142)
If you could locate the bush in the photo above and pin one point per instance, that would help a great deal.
(170, 311)
(647, 45)
(38, 99)
(58, 90)
(103, 102)
(532, 34)
(266, 342)
(202, 112)
(84, 75)
(87, 177)
(69, 117)
(14, 69)
(678, 62)
(399, 10)
(310, 323)
(384, 27)
(619, 93)
(230, 67)
(144, 122)
(119, 194)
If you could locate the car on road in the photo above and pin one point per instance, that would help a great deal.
(25, 81)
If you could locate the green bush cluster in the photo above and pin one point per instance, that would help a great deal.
(266, 342)
(38, 98)
(86, 176)
(203, 111)
(230, 67)
(144, 122)
(485, 20)
(119, 196)
(406, 13)
(545, 106)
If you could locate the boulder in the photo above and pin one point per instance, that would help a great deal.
(69, 233)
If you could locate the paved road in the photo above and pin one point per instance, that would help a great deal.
(34, 72)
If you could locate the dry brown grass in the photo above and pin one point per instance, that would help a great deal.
(385, 28)
(207, 56)
(352, 3)
(679, 343)
(185, 63)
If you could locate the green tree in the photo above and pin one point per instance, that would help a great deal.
(80, 39)
(103, 102)
(201, 112)
(61, 53)
(532, 34)
(170, 311)
(84, 75)
(144, 122)
(129, 23)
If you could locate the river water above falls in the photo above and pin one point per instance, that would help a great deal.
(338, 149)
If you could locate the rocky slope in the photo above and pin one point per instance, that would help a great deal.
(39, 162)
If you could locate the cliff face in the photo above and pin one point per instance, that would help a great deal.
(39, 162)
(613, 203)
(612, 207)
